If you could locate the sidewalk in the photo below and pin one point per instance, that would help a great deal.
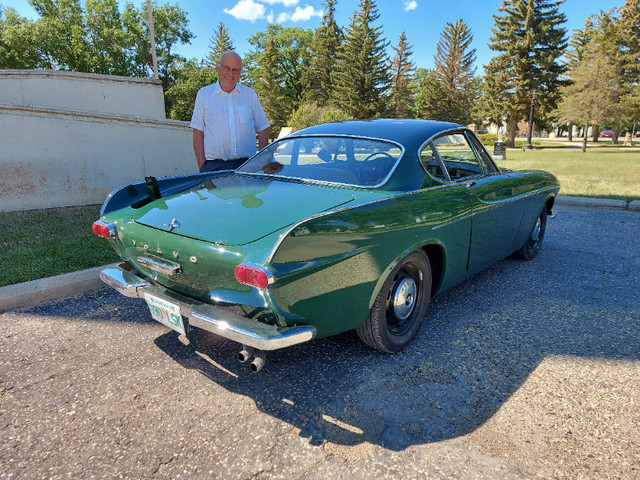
(29, 294)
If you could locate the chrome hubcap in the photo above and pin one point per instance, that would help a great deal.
(536, 232)
(404, 298)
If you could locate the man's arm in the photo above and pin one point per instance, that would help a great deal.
(263, 138)
(198, 146)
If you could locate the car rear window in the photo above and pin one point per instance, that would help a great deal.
(350, 161)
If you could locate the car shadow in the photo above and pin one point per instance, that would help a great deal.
(480, 342)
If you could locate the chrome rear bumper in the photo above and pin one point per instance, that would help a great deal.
(210, 318)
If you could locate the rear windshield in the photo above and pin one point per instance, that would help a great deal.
(359, 162)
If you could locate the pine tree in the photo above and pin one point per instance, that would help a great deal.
(454, 64)
(361, 78)
(429, 94)
(269, 88)
(326, 42)
(219, 43)
(532, 40)
(402, 75)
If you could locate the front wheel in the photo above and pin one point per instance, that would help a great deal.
(534, 243)
(400, 307)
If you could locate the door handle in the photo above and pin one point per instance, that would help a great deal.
(470, 184)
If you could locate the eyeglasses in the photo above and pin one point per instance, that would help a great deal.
(226, 69)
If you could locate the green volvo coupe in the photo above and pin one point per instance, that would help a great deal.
(353, 225)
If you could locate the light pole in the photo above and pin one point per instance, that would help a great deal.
(154, 58)
(528, 146)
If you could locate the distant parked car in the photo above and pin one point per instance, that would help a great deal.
(606, 134)
(340, 226)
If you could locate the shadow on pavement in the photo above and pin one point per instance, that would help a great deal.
(480, 342)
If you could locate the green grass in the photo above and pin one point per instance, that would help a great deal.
(41, 243)
(600, 172)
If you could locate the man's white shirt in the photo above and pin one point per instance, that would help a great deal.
(229, 121)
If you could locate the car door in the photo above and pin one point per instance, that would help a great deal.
(496, 207)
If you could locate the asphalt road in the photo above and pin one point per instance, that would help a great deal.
(527, 370)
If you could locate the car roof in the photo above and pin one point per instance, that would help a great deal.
(402, 131)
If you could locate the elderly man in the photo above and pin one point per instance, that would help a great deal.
(226, 118)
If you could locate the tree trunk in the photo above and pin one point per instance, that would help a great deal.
(512, 131)
(584, 138)
(570, 134)
(616, 129)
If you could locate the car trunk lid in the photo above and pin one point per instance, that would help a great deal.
(237, 209)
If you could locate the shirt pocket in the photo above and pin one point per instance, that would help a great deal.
(245, 116)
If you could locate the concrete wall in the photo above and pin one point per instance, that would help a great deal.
(70, 139)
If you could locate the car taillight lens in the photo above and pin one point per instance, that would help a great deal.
(103, 229)
(250, 275)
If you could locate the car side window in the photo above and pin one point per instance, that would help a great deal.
(485, 158)
(431, 164)
(458, 156)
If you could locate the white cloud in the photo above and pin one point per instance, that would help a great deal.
(247, 10)
(410, 5)
(286, 3)
(300, 14)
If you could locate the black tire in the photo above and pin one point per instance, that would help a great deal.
(534, 242)
(401, 305)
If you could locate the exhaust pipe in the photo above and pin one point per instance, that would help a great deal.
(258, 358)
(258, 361)
(245, 354)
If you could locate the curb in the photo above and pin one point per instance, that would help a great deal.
(597, 202)
(35, 292)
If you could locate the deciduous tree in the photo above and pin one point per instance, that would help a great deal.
(587, 101)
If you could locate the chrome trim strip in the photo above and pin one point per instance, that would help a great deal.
(211, 318)
(159, 265)
(246, 331)
(123, 281)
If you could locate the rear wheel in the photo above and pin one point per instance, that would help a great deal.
(401, 305)
(534, 243)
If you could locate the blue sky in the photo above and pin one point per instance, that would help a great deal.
(422, 20)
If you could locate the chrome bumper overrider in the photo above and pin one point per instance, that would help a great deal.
(210, 318)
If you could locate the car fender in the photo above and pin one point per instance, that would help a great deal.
(427, 247)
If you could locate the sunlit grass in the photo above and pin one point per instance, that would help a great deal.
(600, 172)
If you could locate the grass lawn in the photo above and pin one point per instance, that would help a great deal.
(41, 243)
(600, 172)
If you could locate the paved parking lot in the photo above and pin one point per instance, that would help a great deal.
(527, 370)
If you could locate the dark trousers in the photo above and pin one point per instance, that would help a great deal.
(219, 164)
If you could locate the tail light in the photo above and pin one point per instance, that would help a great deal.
(253, 275)
(104, 229)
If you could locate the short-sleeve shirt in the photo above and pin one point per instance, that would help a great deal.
(229, 121)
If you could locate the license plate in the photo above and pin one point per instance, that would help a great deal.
(165, 312)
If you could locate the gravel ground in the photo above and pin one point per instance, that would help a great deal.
(527, 370)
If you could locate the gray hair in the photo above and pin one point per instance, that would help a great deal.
(229, 52)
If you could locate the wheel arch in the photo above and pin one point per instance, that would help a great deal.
(549, 203)
(436, 255)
